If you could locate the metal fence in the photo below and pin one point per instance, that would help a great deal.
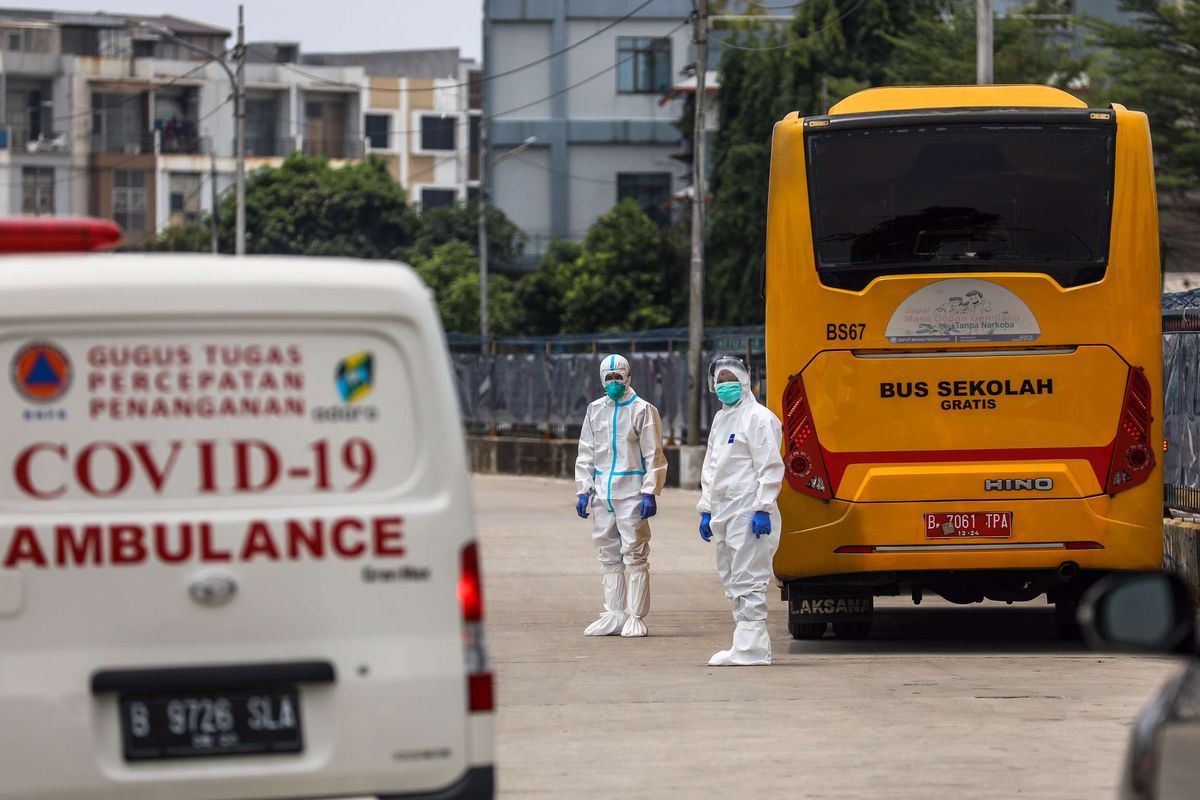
(1181, 400)
(542, 385)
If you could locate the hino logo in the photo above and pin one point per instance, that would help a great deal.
(1018, 484)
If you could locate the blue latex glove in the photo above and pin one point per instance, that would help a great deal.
(761, 524)
(706, 527)
(581, 506)
(649, 507)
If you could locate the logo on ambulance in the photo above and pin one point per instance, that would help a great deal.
(356, 376)
(41, 372)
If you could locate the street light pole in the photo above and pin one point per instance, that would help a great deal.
(240, 112)
(237, 82)
(696, 277)
(983, 42)
(483, 238)
(481, 200)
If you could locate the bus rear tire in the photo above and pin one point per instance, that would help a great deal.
(807, 630)
(852, 630)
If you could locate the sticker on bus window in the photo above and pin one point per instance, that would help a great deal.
(962, 310)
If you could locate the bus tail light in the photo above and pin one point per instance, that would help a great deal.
(480, 694)
(1132, 458)
(804, 466)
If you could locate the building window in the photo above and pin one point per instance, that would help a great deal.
(643, 65)
(37, 190)
(185, 197)
(650, 190)
(437, 132)
(129, 200)
(15, 40)
(437, 198)
(376, 126)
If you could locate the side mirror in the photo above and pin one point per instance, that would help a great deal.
(1149, 612)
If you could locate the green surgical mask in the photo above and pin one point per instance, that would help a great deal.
(614, 389)
(729, 393)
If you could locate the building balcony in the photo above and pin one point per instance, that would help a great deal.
(334, 148)
(26, 137)
(266, 146)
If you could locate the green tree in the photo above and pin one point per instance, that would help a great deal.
(194, 238)
(451, 271)
(1027, 48)
(460, 223)
(539, 294)
(615, 284)
(832, 49)
(1154, 67)
(307, 207)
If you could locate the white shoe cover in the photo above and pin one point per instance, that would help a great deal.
(613, 619)
(610, 623)
(751, 647)
(639, 600)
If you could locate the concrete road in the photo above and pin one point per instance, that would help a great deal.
(943, 701)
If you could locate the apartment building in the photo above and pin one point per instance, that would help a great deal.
(104, 114)
(583, 126)
(421, 114)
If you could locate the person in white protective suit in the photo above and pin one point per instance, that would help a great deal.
(620, 470)
(739, 484)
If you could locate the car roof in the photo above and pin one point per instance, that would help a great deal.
(117, 284)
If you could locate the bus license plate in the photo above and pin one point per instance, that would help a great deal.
(968, 525)
(226, 723)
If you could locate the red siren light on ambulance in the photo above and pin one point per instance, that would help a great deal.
(57, 234)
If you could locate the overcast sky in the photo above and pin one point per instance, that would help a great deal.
(340, 25)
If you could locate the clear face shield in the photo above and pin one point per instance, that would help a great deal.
(725, 369)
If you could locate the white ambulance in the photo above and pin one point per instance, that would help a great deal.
(237, 556)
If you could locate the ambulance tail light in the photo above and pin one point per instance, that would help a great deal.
(57, 234)
(480, 694)
(804, 466)
(1132, 458)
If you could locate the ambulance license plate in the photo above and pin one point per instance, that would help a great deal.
(225, 723)
(969, 525)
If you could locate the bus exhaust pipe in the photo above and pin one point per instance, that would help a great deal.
(1067, 570)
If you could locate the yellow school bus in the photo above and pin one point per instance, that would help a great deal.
(964, 345)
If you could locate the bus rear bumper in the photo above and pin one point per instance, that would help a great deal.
(865, 538)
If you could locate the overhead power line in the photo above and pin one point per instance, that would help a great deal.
(485, 78)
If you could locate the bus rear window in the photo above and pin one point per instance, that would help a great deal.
(961, 198)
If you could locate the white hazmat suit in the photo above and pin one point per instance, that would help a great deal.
(620, 459)
(742, 475)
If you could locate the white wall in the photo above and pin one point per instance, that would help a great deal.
(522, 188)
(515, 44)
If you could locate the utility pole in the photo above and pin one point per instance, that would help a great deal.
(481, 200)
(212, 218)
(240, 112)
(696, 277)
(483, 238)
(983, 42)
